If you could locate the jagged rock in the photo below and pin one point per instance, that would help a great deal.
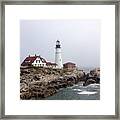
(36, 77)
(89, 81)
(43, 82)
(95, 72)
(25, 95)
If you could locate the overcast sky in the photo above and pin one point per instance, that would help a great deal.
(80, 40)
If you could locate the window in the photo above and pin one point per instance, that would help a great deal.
(37, 61)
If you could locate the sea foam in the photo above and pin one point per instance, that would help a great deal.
(86, 92)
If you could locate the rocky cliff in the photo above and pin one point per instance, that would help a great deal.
(43, 82)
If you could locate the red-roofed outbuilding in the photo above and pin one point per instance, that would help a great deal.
(69, 65)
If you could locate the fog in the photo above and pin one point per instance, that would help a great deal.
(80, 40)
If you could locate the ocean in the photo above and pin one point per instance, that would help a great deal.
(77, 92)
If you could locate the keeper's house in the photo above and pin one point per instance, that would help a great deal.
(37, 61)
(34, 61)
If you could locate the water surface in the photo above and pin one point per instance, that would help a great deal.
(77, 92)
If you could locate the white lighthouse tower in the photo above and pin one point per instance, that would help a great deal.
(58, 57)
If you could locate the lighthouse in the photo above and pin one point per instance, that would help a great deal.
(58, 57)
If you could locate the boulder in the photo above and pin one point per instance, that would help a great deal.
(88, 82)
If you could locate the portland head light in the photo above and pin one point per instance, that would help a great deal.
(58, 57)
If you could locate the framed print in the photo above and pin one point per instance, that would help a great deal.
(60, 60)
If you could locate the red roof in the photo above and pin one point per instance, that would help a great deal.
(29, 60)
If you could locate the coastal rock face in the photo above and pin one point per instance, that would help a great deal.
(43, 82)
(89, 81)
(38, 83)
(92, 77)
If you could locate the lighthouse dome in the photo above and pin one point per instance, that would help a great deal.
(57, 44)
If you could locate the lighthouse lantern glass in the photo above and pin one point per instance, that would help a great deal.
(57, 42)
